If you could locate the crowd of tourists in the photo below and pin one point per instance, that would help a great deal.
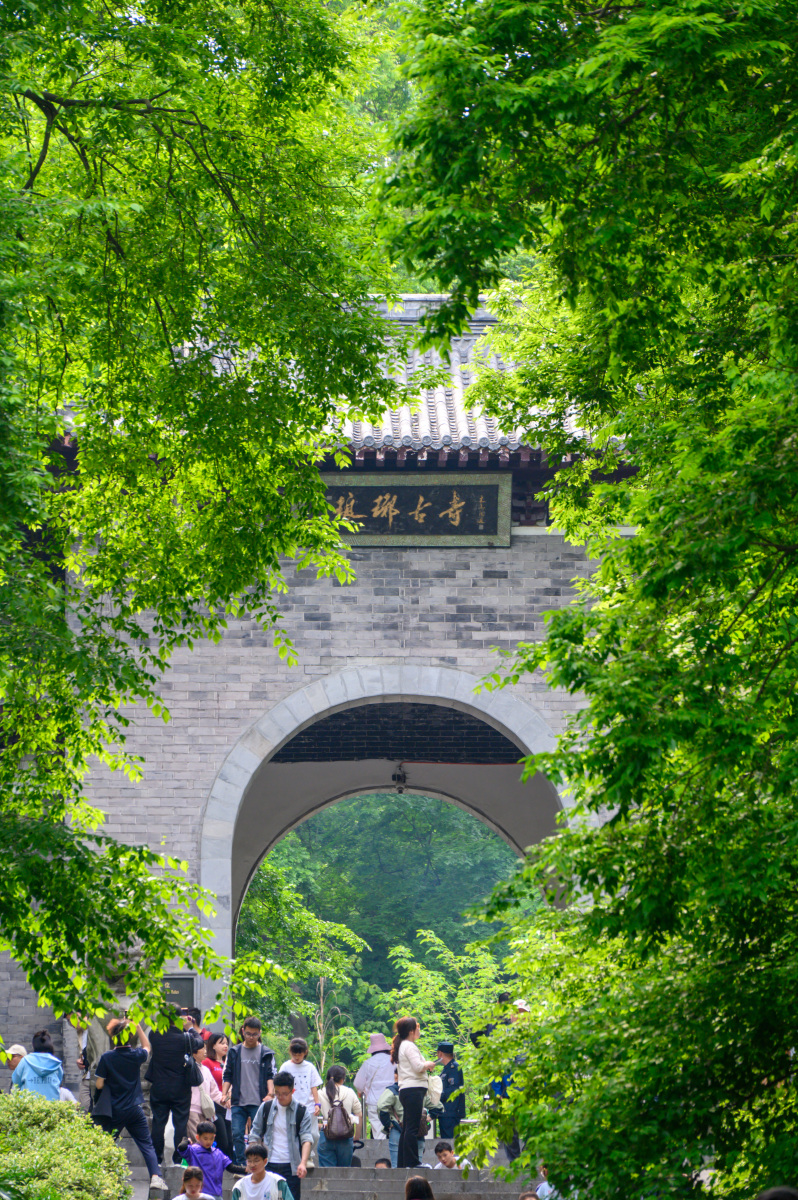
(232, 1109)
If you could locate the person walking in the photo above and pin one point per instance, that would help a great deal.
(307, 1082)
(170, 1091)
(248, 1075)
(218, 1046)
(454, 1110)
(209, 1158)
(14, 1056)
(119, 1070)
(339, 1108)
(286, 1130)
(413, 1072)
(391, 1114)
(204, 1097)
(41, 1071)
(374, 1076)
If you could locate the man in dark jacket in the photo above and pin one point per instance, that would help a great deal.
(454, 1111)
(171, 1083)
(248, 1075)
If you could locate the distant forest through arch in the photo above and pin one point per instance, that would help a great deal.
(385, 865)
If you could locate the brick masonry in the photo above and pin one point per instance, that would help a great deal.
(430, 607)
(402, 731)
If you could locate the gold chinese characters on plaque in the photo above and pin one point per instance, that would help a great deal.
(442, 508)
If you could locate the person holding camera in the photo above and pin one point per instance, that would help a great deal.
(170, 1074)
(118, 1075)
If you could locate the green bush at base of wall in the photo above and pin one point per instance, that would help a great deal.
(54, 1149)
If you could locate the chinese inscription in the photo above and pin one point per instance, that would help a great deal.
(424, 508)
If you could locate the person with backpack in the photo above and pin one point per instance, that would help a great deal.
(339, 1105)
(41, 1071)
(286, 1130)
(391, 1114)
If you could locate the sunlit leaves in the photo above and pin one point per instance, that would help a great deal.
(185, 316)
(643, 156)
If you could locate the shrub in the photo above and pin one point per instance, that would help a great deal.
(55, 1149)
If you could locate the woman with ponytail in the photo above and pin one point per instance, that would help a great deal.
(413, 1070)
(339, 1109)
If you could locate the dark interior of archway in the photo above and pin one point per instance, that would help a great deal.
(405, 732)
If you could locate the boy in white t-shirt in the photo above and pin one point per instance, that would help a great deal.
(447, 1158)
(258, 1183)
(307, 1082)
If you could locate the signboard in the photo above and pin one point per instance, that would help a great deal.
(408, 509)
(179, 990)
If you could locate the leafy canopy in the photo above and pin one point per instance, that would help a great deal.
(184, 298)
(644, 155)
(385, 865)
(275, 925)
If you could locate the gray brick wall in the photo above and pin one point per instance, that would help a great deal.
(439, 607)
(427, 607)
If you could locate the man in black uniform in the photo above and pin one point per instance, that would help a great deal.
(454, 1111)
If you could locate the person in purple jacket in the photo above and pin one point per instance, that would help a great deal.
(210, 1158)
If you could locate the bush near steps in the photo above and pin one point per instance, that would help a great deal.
(53, 1151)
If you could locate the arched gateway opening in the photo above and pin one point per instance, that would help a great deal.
(350, 734)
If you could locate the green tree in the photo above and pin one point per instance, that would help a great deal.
(384, 865)
(645, 155)
(451, 994)
(184, 299)
(276, 926)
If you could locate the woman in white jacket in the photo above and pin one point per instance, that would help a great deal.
(413, 1071)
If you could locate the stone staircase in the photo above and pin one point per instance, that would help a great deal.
(370, 1183)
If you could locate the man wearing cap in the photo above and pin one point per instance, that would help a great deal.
(454, 1110)
(14, 1055)
(373, 1078)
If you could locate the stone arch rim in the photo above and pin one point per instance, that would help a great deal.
(437, 793)
(350, 688)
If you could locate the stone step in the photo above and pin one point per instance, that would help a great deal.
(369, 1183)
(367, 1177)
(137, 1166)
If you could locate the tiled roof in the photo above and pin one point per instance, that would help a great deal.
(443, 420)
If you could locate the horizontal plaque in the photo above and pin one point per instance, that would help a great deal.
(404, 509)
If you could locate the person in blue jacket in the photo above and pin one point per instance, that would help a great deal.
(41, 1071)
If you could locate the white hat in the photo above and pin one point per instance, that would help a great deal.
(10, 1051)
(521, 1005)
